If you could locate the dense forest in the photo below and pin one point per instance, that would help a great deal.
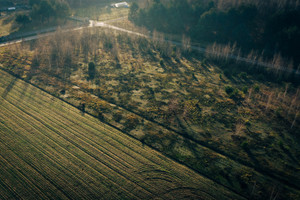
(271, 27)
(42, 11)
(72, 3)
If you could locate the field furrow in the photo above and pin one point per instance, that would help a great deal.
(30, 129)
(69, 169)
(93, 132)
(94, 153)
(32, 174)
(96, 138)
(8, 170)
(80, 135)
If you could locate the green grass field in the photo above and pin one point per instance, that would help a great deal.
(101, 12)
(50, 150)
(7, 25)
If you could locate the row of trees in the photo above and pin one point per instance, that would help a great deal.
(251, 25)
(275, 68)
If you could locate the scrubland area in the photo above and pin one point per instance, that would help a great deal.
(231, 126)
(171, 114)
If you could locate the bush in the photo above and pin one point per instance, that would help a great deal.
(233, 93)
(100, 116)
(22, 19)
(261, 77)
(247, 123)
(243, 75)
(256, 88)
(108, 45)
(162, 63)
(245, 145)
(118, 66)
(227, 73)
(278, 113)
(204, 61)
(97, 81)
(91, 70)
(131, 122)
(117, 116)
(245, 89)
(229, 90)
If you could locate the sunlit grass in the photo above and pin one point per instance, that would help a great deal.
(101, 12)
(7, 24)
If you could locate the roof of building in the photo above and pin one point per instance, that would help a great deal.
(121, 5)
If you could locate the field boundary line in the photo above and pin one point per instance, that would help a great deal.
(111, 125)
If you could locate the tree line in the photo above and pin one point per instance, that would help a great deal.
(45, 11)
(272, 27)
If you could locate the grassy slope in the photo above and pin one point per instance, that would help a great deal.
(7, 25)
(48, 149)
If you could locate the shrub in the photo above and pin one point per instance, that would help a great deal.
(278, 113)
(243, 75)
(256, 88)
(245, 89)
(23, 19)
(108, 44)
(100, 116)
(97, 82)
(117, 116)
(131, 122)
(245, 145)
(162, 63)
(227, 73)
(247, 123)
(261, 77)
(91, 70)
(177, 60)
(35, 63)
(233, 93)
(204, 61)
(229, 90)
(118, 66)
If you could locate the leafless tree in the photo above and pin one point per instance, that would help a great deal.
(270, 97)
(186, 44)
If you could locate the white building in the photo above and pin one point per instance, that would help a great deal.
(120, 5)
(11, 8)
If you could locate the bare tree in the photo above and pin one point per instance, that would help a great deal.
(270, 97)
(239, 127)
(186, 44)
(295, 118)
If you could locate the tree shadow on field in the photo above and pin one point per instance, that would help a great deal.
(8, 88)
(23, 92)
(252, 157)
